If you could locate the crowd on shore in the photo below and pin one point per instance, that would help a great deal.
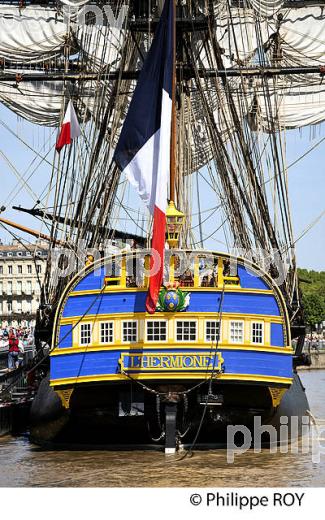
(14, 341)
(22, 333)
(314, 342)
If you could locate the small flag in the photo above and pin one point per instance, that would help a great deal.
(143, 150)
(70, 128)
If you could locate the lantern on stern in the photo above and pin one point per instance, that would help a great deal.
(174, 223)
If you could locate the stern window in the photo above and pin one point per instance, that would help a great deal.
(212, 331)
(236, 331)
(106, 332)
(85, 333)
(156, 330)
(130, 331)
(186, 330)
(257, 333)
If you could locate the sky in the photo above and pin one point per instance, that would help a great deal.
(306, 183)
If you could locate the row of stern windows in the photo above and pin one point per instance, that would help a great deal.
(157, 331)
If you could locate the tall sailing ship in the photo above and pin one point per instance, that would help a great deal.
(190, 101)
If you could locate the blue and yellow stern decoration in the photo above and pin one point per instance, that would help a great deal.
(103, 334)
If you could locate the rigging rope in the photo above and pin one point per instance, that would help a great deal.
(212, 375)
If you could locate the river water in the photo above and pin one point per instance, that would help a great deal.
(24, 464)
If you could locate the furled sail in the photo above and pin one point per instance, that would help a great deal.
(75, 3)
(43, 103)
(100, 46)
(266, 7)
(31, 34)
(288, 105)
(301, 34)
(237, 34)
(46, 36)
(39, 103)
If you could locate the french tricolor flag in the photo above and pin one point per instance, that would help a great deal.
(70, 128)
(143, 150)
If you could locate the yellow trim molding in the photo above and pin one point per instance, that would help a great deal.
(173, 376)
(119, 288)
(71, 320)
(147, 347)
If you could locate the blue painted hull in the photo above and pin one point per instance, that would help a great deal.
(203, 302)
(106, 363)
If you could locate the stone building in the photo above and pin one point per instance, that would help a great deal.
(22, 269)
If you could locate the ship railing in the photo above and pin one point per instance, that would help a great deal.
(130, 270)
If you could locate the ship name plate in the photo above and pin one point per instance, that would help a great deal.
(171, 361)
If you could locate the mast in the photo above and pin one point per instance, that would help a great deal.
(174, 121)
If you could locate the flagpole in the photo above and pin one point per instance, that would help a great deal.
(174, 122)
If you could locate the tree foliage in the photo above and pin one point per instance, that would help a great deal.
(314, 309)
(312, 285)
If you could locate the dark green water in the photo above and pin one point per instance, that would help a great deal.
(23, 464)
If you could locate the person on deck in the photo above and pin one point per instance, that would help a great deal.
(13, 352)
(21, 353)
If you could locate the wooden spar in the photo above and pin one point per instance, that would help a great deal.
(116, 233)
(32, 232)
(173, 122)
(186, 71)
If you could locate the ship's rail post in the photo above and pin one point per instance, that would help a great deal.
(197, 271)
(123, 272)
(147, 270)
(220, 272)
(172, 268)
